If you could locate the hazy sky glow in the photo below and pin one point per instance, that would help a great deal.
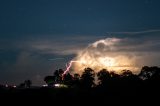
(39, 36)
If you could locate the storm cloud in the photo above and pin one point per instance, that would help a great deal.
(30, 57)
(117, 54)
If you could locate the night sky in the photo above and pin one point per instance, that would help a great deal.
(39, 36)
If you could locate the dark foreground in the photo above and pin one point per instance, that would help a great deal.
(125, 89)
(142, 95)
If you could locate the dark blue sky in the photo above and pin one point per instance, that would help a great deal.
(23, 17)
(32, 31)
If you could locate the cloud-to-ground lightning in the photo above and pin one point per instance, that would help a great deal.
(69, 66)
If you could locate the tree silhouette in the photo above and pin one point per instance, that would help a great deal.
(68, 80)
(150, 73)
(76, 76)
(155, 73)
(87, 78)
(114, 75)
(50, 80)
(103, 76)
(114, 82)
(76, 80)
(126, 73)
(145, 73)
(129, 80)
(21, 85)
(28, 83)
(58, 76)
(128, 77)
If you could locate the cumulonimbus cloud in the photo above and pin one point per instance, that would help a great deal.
(117, 54)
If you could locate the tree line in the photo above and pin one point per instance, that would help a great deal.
(104, 78)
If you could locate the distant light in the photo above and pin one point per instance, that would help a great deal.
(56, 85)
(45, 85)
(6, 85)
(60, 86)
(14, 86)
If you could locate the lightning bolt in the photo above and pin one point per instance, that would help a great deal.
(68, 67)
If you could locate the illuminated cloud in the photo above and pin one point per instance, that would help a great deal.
(117, 54)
